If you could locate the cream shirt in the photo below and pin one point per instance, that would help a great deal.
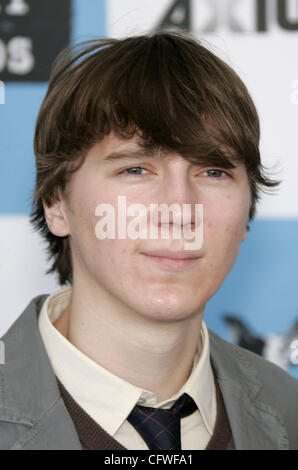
(108, 399)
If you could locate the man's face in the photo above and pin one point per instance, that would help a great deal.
(120, 269)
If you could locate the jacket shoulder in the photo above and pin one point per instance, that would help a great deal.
(22, 367)
(32, 307)
(271, 387)
(269, 374)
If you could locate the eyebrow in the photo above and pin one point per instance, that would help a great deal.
(131, 154)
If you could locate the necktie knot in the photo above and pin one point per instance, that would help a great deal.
(184, 406)
(160, 428)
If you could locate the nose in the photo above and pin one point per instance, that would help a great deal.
(178, 188)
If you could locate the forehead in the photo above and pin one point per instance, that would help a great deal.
(113, 148)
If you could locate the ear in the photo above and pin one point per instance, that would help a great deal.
(56, 218)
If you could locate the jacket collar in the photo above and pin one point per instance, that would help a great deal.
(255, 424)
(30, 397)
(29, 394)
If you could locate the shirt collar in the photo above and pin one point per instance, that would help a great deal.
(108, 399)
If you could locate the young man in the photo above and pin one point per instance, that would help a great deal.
(120, 357)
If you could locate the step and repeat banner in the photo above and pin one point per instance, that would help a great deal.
(257, 306)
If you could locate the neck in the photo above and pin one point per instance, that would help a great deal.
(153, 355)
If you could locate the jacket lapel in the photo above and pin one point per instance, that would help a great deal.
(54, 431)
(254, 424)
(29, 394)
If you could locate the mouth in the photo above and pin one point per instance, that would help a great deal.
(177, 263)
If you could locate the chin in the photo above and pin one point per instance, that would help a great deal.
(170, 317)
(168, 312)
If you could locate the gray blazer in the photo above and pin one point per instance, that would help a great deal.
(260, 398)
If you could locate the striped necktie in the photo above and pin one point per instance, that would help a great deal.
(160, 428)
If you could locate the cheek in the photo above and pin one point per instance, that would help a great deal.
(225, 224)
(111, 263)
(85, 204)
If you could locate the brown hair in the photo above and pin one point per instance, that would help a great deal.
(167, 87)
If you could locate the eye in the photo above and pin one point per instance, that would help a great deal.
(131, 171)
(214, 173)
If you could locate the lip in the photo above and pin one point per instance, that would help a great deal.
(180, 262)
(170, 254)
